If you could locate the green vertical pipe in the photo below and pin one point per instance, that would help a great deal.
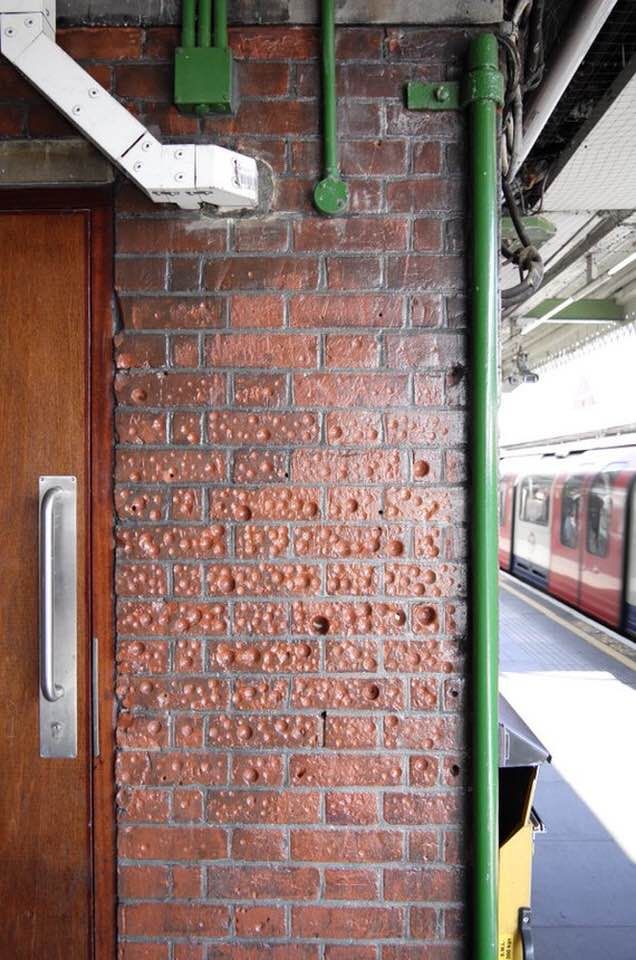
(220, 24)
(483, 58)
(328, 73)
(187, 25)
(204, 25)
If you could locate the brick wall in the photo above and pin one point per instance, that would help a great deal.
(290, 472)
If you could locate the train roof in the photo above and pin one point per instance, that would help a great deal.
(571, 460)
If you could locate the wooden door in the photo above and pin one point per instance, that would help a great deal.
(48, 806)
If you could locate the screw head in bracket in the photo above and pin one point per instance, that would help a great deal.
(178, 177)
(178, 154)
(93, 92)
(146, 145)
(28, 22)
(441, 93)
(137, 166)
(76, 109)
(9, 32)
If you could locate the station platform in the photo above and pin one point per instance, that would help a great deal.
(574, 683)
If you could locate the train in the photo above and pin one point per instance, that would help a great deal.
(567, 526)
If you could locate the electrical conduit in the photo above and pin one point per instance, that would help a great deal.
(483, 80)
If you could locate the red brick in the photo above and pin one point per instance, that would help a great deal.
(11, 120)
(352, 733)
(433, 952)
(420, 733)
(171, 236)
(186, 882)
(351, 808)
(264, 579)
(263, 806)
(260, 466)
(422, 883)
(171, 466)
(271, 151)
(144, 82)
(181, 693)
(335, 952)
(417, 808)
(138, 883)
(106, 43)
(427, 235)
(288, 351)
(264, 951)
(186, 427)
(142, 658)
(265, 845)
(424, 923)
(265, 236)
(184, 351)
(44, 121)
(175, 767)
(359, 43)
(377, 80)
(424, 846)
(263, 883)
(357, 503)
(370, 310)
(141, 273)
(170, 389)
(359, 923)
(174, 919)
(152, 543)
(427, 157)
(272, 43)
(354, 273)
(346, 579)
(354, 429)
(187, 806)
(172, 843)
(140, 428)
(359, 543)
(262, 273)
(419, 351)
(426, 311)
(371, 158)
(260, 390)
(263, 79)
(351, 390)
(260, 921)
(170, 121)
(271, 503)
(423, 770)
(260, 731)
(143, 805)
(336, 771)
(350, 234)
(139, 350)
(350, 885)
(142, 951)
(141, 730)
(337, 845)
(275, 117)
(425, 272)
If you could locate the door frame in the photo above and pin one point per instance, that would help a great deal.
(97, 205)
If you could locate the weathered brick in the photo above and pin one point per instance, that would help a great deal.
(364, 770)
(170, 389)
(254, 844)
(263, 79)
(361, 310)
(107, 43)
(350, 235)
(261, 350)
(174, 919)
(257, 921)
(153, 543)
(422, 883)
(263, 883)
(272, 503)
(351, 808)
(360, 923)
(354, 273)
(347, 350)
(350, 885)
(172, 843)
(169, 466)
(262, 273)
(260, 311)
(171, 236)
(135, 350)
(263, 806)
(259, 390)
(140, 883)
(266, 428)
(351, 390)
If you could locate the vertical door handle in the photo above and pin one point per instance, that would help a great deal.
(50, 690)
(58, 616)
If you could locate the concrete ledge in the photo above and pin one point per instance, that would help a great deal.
(161, 12)
(52, 163)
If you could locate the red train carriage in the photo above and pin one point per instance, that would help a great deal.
(567, 527)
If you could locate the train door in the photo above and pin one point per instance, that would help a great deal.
(602, 549)
(630, 572)
(566, 539)
(506, 505)
(531, 546)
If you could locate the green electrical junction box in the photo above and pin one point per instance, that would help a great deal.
(203, 80)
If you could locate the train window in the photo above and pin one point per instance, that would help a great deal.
(570, 506)
(534, 500)
(599, 509)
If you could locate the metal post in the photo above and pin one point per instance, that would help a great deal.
(330, 194)
(483, 67)
(204, 37)
(187, 25)
(220, 23)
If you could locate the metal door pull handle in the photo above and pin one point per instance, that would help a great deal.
(50, 689)
(58, 616)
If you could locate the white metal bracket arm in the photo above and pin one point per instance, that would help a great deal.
(185, 174)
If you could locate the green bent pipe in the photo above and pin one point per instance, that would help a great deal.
(483, 61)
(220, 24)
(187, 25)
(204, 25)
(330, 194)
